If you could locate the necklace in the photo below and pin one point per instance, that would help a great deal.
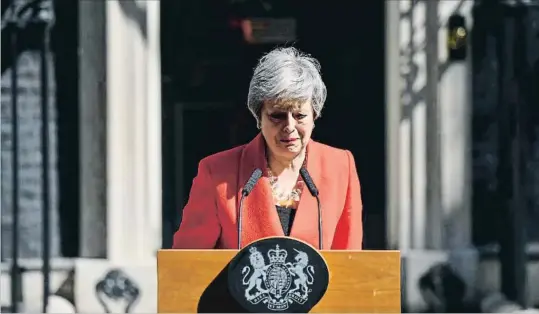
(280, 196)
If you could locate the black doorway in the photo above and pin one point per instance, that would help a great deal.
(206, 72)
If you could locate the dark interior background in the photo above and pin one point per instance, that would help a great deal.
(206, 72)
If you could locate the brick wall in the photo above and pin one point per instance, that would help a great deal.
(30, 159)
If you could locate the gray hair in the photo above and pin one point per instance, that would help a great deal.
(286, 74)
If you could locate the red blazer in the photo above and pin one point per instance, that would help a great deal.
(209, 218)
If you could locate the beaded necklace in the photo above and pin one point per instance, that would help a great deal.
(280, 197)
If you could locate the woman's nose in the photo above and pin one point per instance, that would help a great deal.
(290, 123)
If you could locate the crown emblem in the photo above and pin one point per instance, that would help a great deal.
(277, 255)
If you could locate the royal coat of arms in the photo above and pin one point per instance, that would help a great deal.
(279, 283)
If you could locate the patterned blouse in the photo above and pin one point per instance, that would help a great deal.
(285, 203)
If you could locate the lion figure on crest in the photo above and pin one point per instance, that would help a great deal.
(259, 274)
(304, 273)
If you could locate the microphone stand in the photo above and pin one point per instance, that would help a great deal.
(314, 192)
(253, 179)
(319, 221)
(240, 217)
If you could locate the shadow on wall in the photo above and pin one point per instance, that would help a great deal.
(412, 95)
(136, 12)
(445, 291)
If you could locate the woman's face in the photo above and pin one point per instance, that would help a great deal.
(287, 128)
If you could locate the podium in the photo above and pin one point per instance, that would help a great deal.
(191, 281)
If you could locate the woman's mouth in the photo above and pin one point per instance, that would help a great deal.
(288, 140)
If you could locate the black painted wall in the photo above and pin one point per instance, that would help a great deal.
(505, 122)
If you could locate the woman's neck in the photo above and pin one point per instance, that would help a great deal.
(280, 164)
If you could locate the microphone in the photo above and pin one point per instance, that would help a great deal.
(314, 191)
(247, 188)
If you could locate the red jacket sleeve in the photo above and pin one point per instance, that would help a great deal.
(349, 231)
(200, 227)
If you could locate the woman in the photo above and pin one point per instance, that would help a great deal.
(286, 96)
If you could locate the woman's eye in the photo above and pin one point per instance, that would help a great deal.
(278, 116)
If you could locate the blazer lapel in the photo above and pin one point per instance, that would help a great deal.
(260, 218)
(306, 219)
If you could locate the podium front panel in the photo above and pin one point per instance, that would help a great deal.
(360, 281)
(184, 275)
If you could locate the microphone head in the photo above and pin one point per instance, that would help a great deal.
(308, 181)
(253, 179)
